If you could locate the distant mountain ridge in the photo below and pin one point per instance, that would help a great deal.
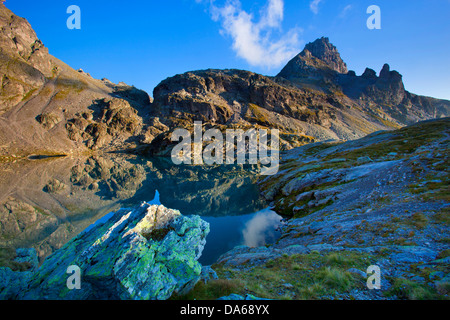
(313, 98)
(48, 108)
(321, 61)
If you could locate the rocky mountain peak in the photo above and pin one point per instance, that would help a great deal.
(384, 73)
(369, 74)
(20, 42)
(319, 59)
(387, 74)
(387, 87)
(324, 50)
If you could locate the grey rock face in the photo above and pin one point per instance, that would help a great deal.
(12, 283)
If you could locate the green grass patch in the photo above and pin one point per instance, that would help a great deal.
(258, 115)
(444, 254)
(417, 220)
(406, 141)
(29, 94)
(409, 290)
(335, 279)
(300, 277)
(318, 147)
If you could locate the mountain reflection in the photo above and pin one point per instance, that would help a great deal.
(44, 203)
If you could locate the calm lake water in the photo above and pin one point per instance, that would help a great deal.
(252, 230)
(45, 203)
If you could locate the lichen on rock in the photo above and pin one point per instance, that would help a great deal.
(118, 261)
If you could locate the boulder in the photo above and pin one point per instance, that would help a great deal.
(146, 253)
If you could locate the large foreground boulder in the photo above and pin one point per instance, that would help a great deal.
(149, 252)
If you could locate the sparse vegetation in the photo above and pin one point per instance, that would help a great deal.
(307, 276)
(411, 290)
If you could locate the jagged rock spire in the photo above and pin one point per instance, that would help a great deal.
(324, 50)
(315, 60)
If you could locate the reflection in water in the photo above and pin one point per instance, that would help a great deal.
(105, 218)
(201, 190)
(252, 230)
(261, 229)
(45, 203)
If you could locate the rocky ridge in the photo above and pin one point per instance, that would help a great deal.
(48, 108)
(314, 98)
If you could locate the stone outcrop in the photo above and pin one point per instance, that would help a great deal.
(149, 252)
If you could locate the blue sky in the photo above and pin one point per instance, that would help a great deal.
(143, 42)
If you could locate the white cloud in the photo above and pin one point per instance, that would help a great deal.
(314, 6)
(344, 11)
(256, 41)
(260, 228)
(273, 14)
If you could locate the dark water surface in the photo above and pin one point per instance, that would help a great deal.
(46, 202)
